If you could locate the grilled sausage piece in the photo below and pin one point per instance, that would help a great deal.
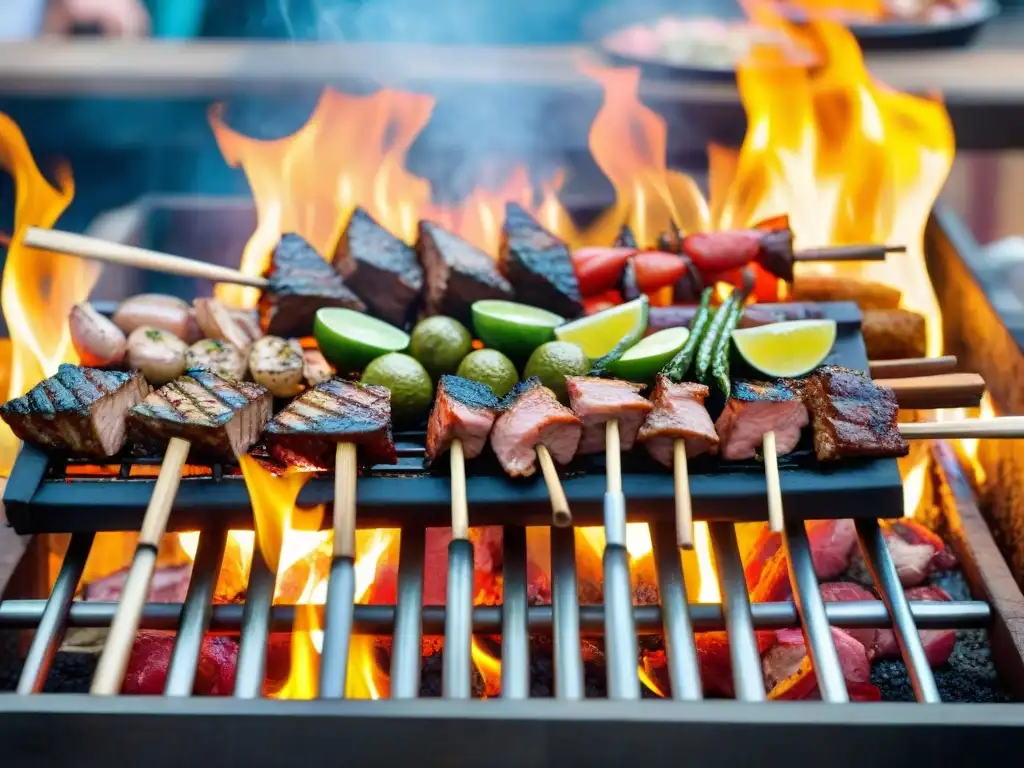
(154, 310)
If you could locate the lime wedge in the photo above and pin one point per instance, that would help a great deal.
(515, 329)
(599, 334)
(349, 339)
(648, 356)
(786, 349)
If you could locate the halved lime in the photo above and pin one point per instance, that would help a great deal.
(599, 334)
(349, 339)
(648, 356)
(791, 348)
(512, 328)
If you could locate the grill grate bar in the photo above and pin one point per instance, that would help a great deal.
(255, 629)
(566, 615)
(739, 624)
(456, 671)
(818, 635)
(515, 639)
(680, 648)
(195, 612)
(339, 612)
(407, 645)
(879, 563)
(621, 652)
(53, 620)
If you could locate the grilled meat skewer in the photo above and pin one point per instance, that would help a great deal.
(756, 408)
(600, 401)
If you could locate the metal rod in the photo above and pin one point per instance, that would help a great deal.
(195, 613)
(566, 619)
(457, 663)
(255, 629)
(817, 632)
(739, 624)
(879, 563)
(680, 648)
(339, 612)
(407, 643)
(53, 621)
(621, 651)
(515, 639)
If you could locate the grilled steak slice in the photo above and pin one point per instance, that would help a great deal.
(538, 265)
(755, 409)
(678, 414)
(301, 282)
(463, 410)
(457, 274)
(852, 416)
(598, 401)
(222, 419)
(78, 410)
(379, 267)
(533, 416)
(307, 430)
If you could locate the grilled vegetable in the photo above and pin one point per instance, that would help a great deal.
(160, 355)
(154, 310)
(218, 322)
(720, 357)
(97, 340)
(599, 269)
(277, 364)
(217, 356)
(679, 365)
(709, 343)
(656, 270)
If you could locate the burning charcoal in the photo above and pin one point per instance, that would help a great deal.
(301, 282)
(463, 410)
(755, 409)
(221, 418)
(379, 267)
(457, 274)
(308, 429)
(538, 265)
(533, 416)
(598, 401)
(678, 414)
(78, 410)
(151, 657)
(789, 675)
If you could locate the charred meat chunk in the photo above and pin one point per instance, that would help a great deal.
(533, 416)
(598, 401)
(463, 410)
(78, 410)
(307, 431)
(301, 282)
(221, 418)
(538, 265)
(757, 408)
(457, 273)
(379, 267)
(678, 413)
(852, 416)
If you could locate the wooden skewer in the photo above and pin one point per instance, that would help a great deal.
(998, 427)
(460, 506)
(613, 456)
(776, 521)
(561, 515)
(345, 477)
(113, 661)
(946, 390)
(684, 504)
(96, 249)
(912, 366)
(848, 253)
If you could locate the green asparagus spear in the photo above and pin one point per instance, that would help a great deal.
(723, 345)
(710, 341)
(677, 368)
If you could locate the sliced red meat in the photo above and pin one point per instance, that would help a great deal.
(597, 401)
(535, 417)
(938, 643)
(844, 591)
(678, 414)
(151, 657)
(789, 674)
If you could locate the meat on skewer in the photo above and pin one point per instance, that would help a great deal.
(757, 408)
(599, 401)
(78, 410)
(464, 411)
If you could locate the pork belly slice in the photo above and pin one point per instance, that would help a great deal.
(755, 409)
(533, 416)
(308, 429)
(463, 410)
(677, 413)
(221, 418)
(78, 410)
(598, 401)
(852, 416)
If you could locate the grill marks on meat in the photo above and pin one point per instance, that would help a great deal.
(301, 282)
(533, 416)
(379, 267)
(463, 410)
(755, 409)
(538, 265)
(678, 413)
(222, 419)
(457, 273)
(308, 429)
(78, 410)
(598, 401)
(852, 416)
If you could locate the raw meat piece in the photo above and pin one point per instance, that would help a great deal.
(938, 643)
(151, 657)
(790, 676)
(832, 543)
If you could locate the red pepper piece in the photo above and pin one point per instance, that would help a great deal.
(599, 269)
(600, 302)
(656, 270)
(774, 222)
(715, 252)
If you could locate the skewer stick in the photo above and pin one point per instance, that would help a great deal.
(460, 506)
(848, 253)
(345, 500)
(561, 515)
(776, 522)
(613, 456)
(108, 252)
(945, 390)
(1005, 427)
(113, 661)
(912, 366)
(684, 504)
